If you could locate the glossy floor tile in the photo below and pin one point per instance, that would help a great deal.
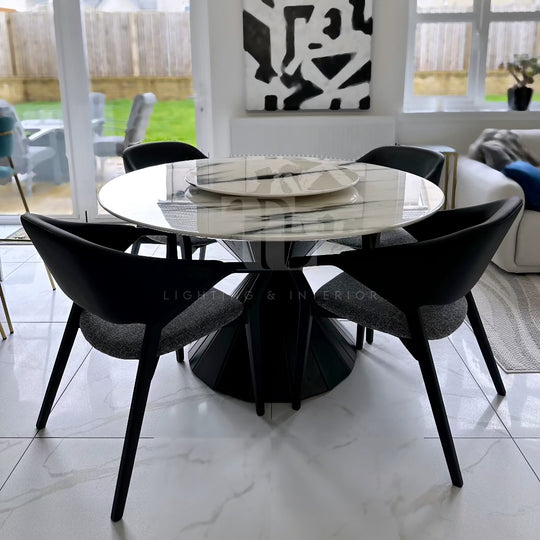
(362, 461)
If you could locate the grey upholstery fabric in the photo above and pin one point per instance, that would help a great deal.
(350, 299)
(388, 238)
(212, 311)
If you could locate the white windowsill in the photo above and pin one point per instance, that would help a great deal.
(493, 114)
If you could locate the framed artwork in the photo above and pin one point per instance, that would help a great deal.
(307, 54)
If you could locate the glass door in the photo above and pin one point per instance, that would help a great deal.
(139, 63)
(31, 95)
(85, 79)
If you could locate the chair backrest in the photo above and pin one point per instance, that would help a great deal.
(6, 136)
(144, 155)
(412, 159)
(139, 118)
(441, 269)
(90, 266)
(20, 140)
(97, 111)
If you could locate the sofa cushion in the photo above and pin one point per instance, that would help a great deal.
(498, 148)
(528, 177)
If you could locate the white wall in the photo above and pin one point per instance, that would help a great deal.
(224, 93)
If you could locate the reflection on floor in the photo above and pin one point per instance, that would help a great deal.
(49, 198)
(360, 462)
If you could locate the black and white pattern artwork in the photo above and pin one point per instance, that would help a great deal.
(307, 54)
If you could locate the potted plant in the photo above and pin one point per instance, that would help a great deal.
(523, 68)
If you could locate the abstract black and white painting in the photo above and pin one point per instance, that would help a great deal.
(307, 54)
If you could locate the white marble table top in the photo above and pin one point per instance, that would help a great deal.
(382, 199)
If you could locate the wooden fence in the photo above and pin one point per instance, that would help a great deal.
(146, 44)
(446, 46)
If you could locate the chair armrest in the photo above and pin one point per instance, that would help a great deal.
(39, 134)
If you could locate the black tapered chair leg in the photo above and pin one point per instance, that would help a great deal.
(483, 343)
(302, 347)
(186, 248)
(145, 372)
(369, 335)
(253, 332)
(431, 383)
(180, 355)
(359, 337)
(202, 253)
(70, 333)
(370, 241)
(136, 247)
(172, 247)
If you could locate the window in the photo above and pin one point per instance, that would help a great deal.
(457, 50)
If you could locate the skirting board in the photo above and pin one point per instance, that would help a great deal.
(339, 137)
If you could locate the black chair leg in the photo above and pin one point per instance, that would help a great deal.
(145, 372)
(136, 246)
(370, 241)
(172, 247)
(185, 248)
(431, 383)
(202, 253)
(180, 355)
(302, 347)
(62, 356)
(483, 343)
(359, 337)
(253, 332)
(369, 335)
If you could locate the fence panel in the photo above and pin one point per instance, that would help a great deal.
(118, 44)
(164, 47)
(108, 44)
(31, 45)
(444, 46)
(6, 69)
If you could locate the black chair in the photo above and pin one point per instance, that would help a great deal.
(412, 159)
(420, 161)
(126, 315)
(144, 155)
(421, 291)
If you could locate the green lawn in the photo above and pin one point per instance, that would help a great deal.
(495, 97)
(171, 120)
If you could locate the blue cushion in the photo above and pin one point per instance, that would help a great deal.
(528, 177)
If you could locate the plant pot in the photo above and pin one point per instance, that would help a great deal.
(519, 98)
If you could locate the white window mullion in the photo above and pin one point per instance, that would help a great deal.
(408, 95)
(479, 44)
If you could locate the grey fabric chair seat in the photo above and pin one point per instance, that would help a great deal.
(388, 238)
(212, 311)
(350, 299)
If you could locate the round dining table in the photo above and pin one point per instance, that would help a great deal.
(267, 210)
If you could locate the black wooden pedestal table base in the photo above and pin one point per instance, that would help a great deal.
(221, 359)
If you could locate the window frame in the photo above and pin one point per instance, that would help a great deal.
(480, 18)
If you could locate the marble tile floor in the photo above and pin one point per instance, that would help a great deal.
(362, 461)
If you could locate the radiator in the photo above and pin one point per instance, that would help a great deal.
(326, 137)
